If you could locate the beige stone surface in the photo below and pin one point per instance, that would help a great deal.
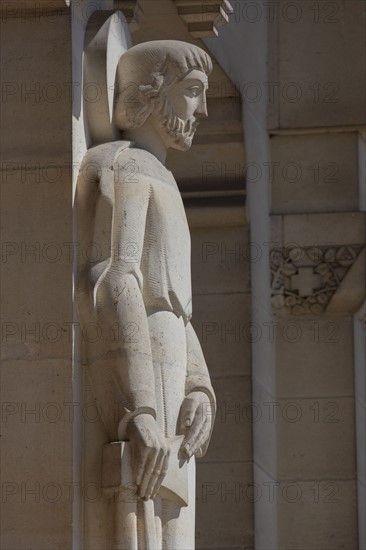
(317, 55)
(232, 434)
(308, 55)
(224, 498)
(362, 170)
(361, 419)
(265, 429)
(37, 488)
(316, 438)
(210, 166)
(314, 356)
(220, 260)
(39, 249)
(315, 514)
(266, 516)
(247, 48)
(36, 281)
(351, 291)
(323, 229)
(97, 510)
(315, 173)
(297, 514)
(222, 323)
(215, 216)
(37, 92)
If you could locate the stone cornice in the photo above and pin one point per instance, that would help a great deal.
(204, 18)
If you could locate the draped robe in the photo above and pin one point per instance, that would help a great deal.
(136, 287)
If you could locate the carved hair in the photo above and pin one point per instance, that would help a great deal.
(145, 70)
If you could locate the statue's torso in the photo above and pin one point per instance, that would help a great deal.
(166, 264)
(164, 272)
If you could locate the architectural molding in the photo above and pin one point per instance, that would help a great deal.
(204, 18)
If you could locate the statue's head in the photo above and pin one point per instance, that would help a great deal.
(164, 81)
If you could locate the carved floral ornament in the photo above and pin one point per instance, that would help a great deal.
(304, 279)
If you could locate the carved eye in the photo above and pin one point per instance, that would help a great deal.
(194, 91)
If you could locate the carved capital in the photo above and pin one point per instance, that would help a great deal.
(204, 18)
(307, 280)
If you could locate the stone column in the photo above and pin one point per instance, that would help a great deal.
(360, 396)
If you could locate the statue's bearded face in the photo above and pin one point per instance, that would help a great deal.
(180, 107)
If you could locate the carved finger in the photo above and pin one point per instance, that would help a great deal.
(192, 434)
(161, 476)
(194, 440)
(156, 473)
(141, 458)
(186, 414)
(148, 471)
(200, 441)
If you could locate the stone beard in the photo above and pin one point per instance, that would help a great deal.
(182, 132)
(158, 382)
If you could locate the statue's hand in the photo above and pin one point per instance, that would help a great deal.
(195, 421)
(150, 454)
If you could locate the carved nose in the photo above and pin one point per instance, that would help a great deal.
(201, 111)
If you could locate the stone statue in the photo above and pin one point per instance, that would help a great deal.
(146, 364)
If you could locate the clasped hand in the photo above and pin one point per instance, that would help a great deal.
(150, 449)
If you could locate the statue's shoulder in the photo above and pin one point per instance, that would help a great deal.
(141, 163)
(124, 157)
(102, 157)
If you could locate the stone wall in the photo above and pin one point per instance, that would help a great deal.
(36, 276)
(222, 319)
(302, 81)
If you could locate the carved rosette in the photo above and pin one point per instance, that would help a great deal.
(304, 279)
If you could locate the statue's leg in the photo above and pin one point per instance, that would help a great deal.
(173, 526)
(169, 349)
(125, 522)
(179, 523)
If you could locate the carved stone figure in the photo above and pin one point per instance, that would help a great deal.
(146, 364)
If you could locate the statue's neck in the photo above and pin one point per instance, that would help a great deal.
(147, 137)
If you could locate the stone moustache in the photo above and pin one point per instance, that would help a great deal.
(129, 204)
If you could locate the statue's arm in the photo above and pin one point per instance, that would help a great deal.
(198, 378)
(199, 407)
(118, 299)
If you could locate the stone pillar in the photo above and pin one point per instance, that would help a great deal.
(360, 396)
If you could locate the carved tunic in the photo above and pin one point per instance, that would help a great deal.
(126, 197)
(162, 267)
(165, 262)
